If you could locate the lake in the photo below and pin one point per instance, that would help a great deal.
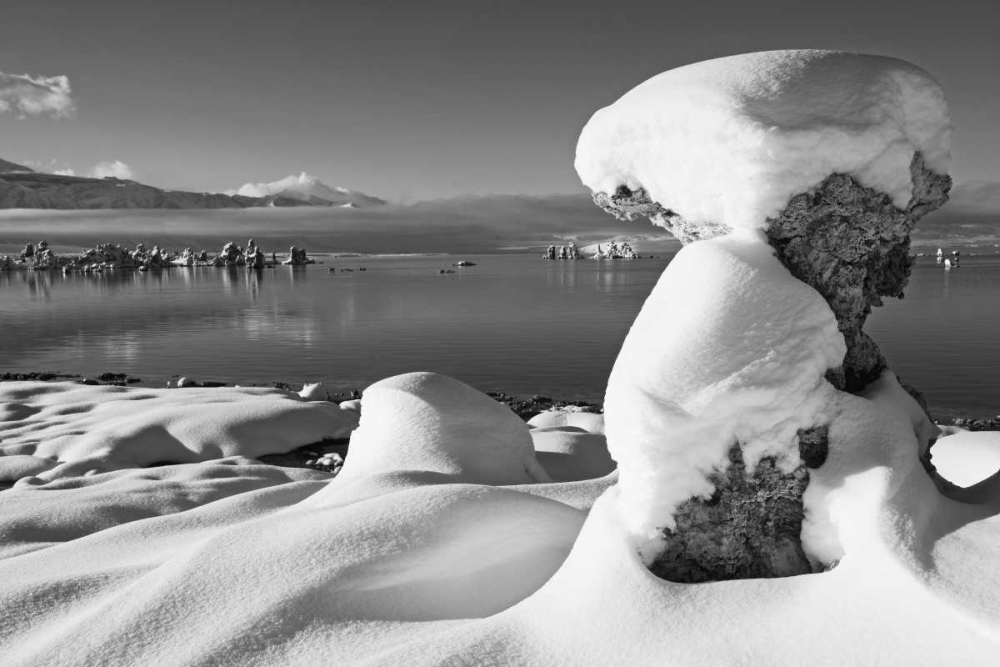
(512, 322)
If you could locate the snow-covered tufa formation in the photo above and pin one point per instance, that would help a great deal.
(801, 175)
(725, 144)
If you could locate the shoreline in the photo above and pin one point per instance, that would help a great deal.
(523, 405)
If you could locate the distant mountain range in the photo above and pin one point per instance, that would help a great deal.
(22, 187)
(368, 224)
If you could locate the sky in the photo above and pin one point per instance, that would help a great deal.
(420, 100)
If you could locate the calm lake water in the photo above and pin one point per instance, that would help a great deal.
(512, 322)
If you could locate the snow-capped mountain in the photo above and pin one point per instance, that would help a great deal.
(307, 188)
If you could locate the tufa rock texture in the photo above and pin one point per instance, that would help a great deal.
(750, 526)
(627, 204)
(852, 246)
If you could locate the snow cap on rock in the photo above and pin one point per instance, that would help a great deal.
(727, 142)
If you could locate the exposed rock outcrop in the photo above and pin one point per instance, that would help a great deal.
(852, 245)
(749, 527)
(627, 204)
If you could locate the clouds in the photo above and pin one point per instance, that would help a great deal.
(103, 169)
(113, 168)
(36, 96)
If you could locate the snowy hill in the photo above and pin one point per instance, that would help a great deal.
(308, 189)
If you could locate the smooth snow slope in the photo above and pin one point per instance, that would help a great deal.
(730, 141)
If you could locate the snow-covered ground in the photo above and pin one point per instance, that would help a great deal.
(457, 550)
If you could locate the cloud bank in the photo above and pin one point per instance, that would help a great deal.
(113, 168)
(36, 96)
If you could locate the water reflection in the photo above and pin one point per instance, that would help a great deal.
(253, 286)
(282, 327)
(39, 286)
(297, 275)
(126, 347)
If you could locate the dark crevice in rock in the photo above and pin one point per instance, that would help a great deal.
(749, 527)
(814, 446)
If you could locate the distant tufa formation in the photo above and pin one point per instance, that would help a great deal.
(110, 257)
(564, 252)
(613, 250)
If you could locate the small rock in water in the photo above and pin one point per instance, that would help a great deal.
(186, 382)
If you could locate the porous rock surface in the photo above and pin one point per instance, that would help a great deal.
(749, 527)
(851, 244)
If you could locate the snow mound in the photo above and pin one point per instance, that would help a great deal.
(80, 429)
(728, 347)
(591, 422)
(427, 422)
(730, 141)
(569, 455)
(967, 458)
